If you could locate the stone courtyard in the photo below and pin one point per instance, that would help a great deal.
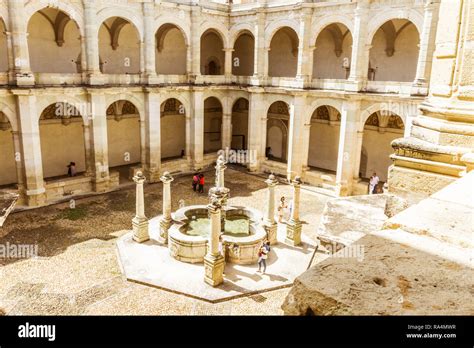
(76, 271)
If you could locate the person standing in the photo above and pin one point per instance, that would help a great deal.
(195, 181)
(71, 169)
(281, 207)
(374, 180)
(201, 183)
(262, 257)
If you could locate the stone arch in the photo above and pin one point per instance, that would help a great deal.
(274, 27)
(123, 134)
(168, 20)
(137, 102)
(322, 23)
(124, 13)
(333, 52)
(171, 57)
(335, 103)
(408, 14)
(219, 28)
(73, 11)
(172, 129)
(10, 115)
(237, 29)
(395, 44)
(283, 53)
(213, 117)
(212, 46)
(120, 45)
(277, 131)
(381, 107)
(323, 143)
(243, 53)
(240, 123)
(78, 103)
(54, 41)
(61, 136)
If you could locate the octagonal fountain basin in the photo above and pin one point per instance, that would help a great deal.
(188, 235)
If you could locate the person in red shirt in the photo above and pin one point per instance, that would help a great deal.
(201, 183)
(195, 181)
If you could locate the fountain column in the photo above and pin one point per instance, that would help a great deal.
(269, 222)
(213, 261)
(220, 168)
(166, 220)
(140, 222)
(293, 227)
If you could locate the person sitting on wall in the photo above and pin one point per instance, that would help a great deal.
(71, 169)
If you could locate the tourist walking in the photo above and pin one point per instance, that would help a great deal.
(262, 257)
(201, 183)
(281, 207)
(195, 181)
(374, 180)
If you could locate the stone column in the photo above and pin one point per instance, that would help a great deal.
(259, 49)
(360, 49)
(31, 145)
(152, 148)
(87, 149)
(195, 42)
(197, 129)
(226, 130)
(293, 227)
(256, 113)
(166, 220)
(228, 62)
(99, 144)
(269, 222)
(425, 54)
(92, 42)
(296, 136)
(149, 40)
(347, 152)
(19, 167)
(213, 261)
(220, 168)
(305, 61)
(18, 27)
(140, 222)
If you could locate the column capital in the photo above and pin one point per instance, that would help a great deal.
(139, 178)
(272, 181)
(166, 178)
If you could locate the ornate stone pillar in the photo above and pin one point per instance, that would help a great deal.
(293, 227)
(255, 141)
(152, 125)
(347, 152)
(305, 61)
(360, 49)
(269, 222)
(31, 145)
(296, 136)
(228, 62)
(140, 222)
(197, 129)
(149, 40)
(213, 261)
(427, 43)
(226, 130)
(92, 42)
(99, 144)
(259, 69)
(166, 220)
(22, 74)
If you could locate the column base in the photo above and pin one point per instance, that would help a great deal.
(419, 88)
(355, 85)
(140, 229)
(152, 174)
(293, 233)
(214, 269)
(101, 185)
(35, 198)
(95, 79)
(164, 227)
(24, 79)
(271, 230)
